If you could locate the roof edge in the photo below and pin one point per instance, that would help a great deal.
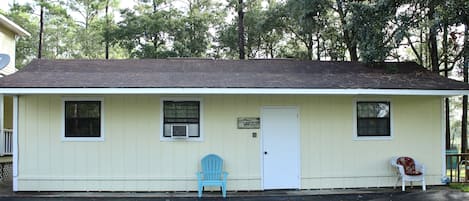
(13, 26)
(221, 91)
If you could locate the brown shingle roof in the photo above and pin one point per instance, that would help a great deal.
(200, 73)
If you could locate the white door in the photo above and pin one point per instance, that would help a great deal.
(280, 147)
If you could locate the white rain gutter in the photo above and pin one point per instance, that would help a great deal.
(272, 91)
(13, 26)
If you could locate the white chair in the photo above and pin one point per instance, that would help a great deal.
(417, 174)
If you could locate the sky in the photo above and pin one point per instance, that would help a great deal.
(4, 5)
(123, 3)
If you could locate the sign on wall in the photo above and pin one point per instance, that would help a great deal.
(248, 122)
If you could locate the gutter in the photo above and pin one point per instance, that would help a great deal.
(248, 91)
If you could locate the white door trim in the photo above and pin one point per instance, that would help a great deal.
(261, 154)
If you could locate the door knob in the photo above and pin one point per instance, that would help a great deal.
(265, 153)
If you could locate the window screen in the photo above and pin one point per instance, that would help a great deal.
(181, 112)
(373, 119)
(82, 119)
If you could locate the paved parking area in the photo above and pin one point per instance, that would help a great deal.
(434, 193)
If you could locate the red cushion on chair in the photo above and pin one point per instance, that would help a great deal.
(409, 166)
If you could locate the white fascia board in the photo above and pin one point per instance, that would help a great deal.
(280, 91)
(13, 26)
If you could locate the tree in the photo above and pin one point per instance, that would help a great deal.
(60, 41)
(109, 24)
(380, 27)
(227, 39)
(89, 26)
(271, 31)
(461, 11)
(49, 25)
(305, 20)
(106, 34)
(191, 30)
(255, 32)
(144, 30)
(241, 40)
(41, 28)
(348, 34)
(333, 44)
(432, 41)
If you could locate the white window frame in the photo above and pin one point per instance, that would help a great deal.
(391, 126)
(83, 139)
(201, 119)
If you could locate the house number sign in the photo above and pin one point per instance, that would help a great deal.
(248, 122)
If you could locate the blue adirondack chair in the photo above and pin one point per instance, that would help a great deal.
(212, 174)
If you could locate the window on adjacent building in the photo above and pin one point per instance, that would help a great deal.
(181, 119)
(83, 119)
(373, 118)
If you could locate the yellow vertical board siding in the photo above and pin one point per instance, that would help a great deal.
(133, 158)
(7, 46)
(333, 159)
(8, 112)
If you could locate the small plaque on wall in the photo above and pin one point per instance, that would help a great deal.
(248, 122)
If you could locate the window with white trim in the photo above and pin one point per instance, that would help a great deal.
(373, 119)
(82, 119)
(181, 119)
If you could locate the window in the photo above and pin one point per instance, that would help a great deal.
(181, 119)
(83, 119)
(373, 119)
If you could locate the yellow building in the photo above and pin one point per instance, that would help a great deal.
(115, 125)
(9, 31)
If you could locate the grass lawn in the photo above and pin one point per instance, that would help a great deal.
(464, 187)
(461, 186)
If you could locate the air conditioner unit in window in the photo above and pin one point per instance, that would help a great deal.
(179, 131)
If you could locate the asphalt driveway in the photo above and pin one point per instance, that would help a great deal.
(433, 193)
(417, 196)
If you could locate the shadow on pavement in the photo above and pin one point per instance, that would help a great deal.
(435, 193)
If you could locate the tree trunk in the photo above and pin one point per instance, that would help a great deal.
(318, 54)
(241, 30)
(309, 45)
(107, 31)
(271, 49)
(447, 106)
(447, 124)
(464, 106)
(432, 43)
(353, 51)
(421, 46)
(155, 35)
(41, 31)
(155, 6)
(348, 35)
